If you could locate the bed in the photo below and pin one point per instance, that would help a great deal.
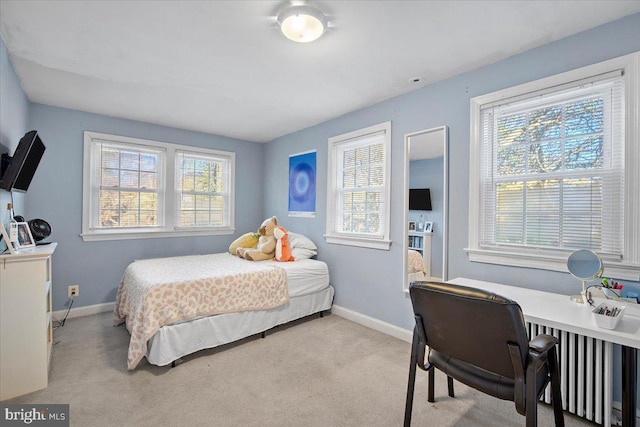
(415, 267)
(176, 306)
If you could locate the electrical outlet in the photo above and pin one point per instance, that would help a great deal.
(73, 291)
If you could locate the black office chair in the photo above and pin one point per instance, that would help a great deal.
(480, 339)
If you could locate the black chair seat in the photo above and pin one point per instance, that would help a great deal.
(478, 378)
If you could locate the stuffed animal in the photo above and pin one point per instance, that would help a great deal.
(283, 249)
(247, 241)
(266, 247)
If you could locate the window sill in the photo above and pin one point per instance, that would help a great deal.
(128, 235)
(358, 241)
(538, 260)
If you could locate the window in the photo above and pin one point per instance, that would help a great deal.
(550, 170)
(136, 188)
(358, 188)
(127, 185)
(202, 181)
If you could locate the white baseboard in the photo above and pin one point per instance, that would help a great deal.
(84, 311)
(375, 324)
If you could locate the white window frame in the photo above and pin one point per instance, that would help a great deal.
(628, 267)
(167, 193)
(225, 161)
(354, 239)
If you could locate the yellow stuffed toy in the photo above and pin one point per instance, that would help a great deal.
(247, 241)
(266, 247)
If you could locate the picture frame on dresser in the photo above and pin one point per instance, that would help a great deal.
(25, 239)
(412, 226)
(5, 241)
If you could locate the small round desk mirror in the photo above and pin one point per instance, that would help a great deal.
(584, 265)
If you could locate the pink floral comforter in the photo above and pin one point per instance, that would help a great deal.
(158, 292)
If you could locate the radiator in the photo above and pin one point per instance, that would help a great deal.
(586, 374)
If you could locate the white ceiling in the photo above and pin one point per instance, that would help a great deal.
(223, 67)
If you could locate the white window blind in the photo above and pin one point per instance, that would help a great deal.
(360, 192)
(203, 190)
(359, 187)
(552, 169)
(127, 186)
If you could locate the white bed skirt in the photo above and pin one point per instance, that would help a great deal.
(175, 341)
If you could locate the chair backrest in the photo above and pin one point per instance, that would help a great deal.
(470, 324)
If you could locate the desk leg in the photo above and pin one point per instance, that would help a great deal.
(629, 391)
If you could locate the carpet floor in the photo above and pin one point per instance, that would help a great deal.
(314, 372)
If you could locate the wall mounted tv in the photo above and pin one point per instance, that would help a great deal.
(419, 199)
(18, 171)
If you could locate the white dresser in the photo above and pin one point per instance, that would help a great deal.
(26, 332)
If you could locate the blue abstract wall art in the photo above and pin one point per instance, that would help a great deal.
(302, 184)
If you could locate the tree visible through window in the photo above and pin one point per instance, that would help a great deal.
(358, 188)
(553, 168)
(548, 177)
(201, 183)
(362, 189)
(128, 187)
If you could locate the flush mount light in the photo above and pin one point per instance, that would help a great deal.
(302, 23)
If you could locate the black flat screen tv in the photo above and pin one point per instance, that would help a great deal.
(19, 169)
(419, 199)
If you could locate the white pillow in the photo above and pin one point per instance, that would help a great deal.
(301, 246)
(302, 253)
(301, 241)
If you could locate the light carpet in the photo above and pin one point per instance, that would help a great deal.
(314, 372)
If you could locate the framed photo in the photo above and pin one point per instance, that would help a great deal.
(428, 227)
(25, 239)
(412, 226)
(5, 240)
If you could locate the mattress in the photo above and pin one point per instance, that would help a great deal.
(305, 276)
(309, 293)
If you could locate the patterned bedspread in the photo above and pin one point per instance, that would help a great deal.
(414, 262)
(158, 292)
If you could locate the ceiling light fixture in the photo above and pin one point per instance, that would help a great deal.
(302, 23)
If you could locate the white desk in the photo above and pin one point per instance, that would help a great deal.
(558, 311)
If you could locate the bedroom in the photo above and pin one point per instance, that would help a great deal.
(368, 282)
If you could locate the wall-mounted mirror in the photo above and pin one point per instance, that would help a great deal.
(426, 162)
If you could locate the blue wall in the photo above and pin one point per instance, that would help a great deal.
(430, 174)
(55, 195)
(369, 281)
(14, 118)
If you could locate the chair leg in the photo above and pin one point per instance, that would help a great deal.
(450, 386)
(556, 396)
(431, 387)
(408, 408)
(531, 397)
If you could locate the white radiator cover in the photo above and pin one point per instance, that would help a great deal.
(586, 374)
